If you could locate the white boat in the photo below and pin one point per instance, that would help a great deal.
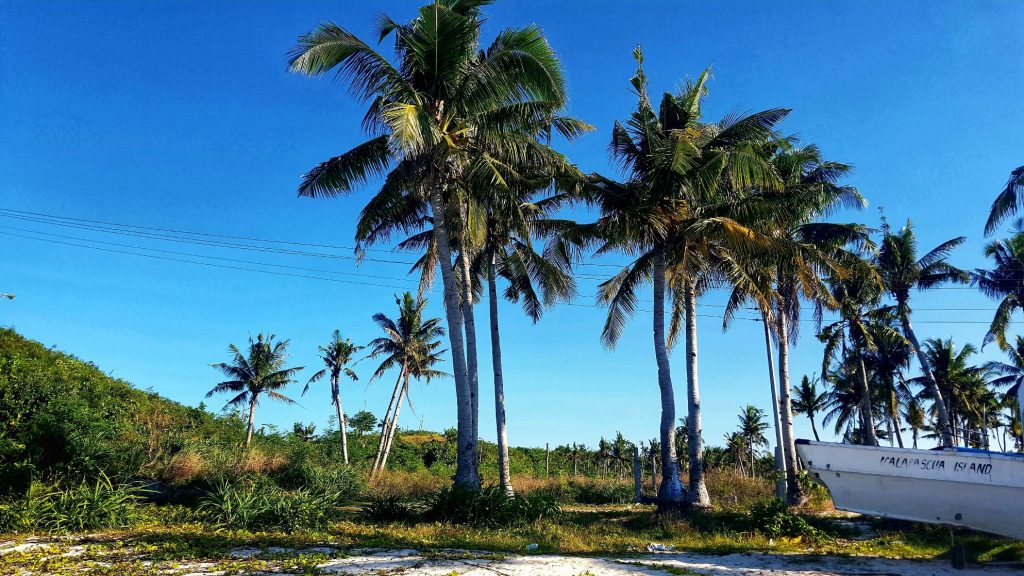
(976, 489)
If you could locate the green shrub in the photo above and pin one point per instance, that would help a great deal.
(389, 508)
(99, 505)
(255, 505)
(488, 507)
(773, 518)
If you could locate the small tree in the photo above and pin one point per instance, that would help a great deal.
(336, 356)
(362, 422)
(260, 372)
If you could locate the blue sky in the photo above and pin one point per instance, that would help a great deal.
(181, 115)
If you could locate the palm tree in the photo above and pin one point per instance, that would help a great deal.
(671, 214)
(1004, 282)
(958, 381)
(1005, 204)
(444, 114)
(536, 280)
(914, 414)
(1010, 374)
(336, 355)
(901, 271)
(260, 372)
(886, 363)
(752, 428)
(410, 344)
(809, 190)
(857, 294)
(807, 400)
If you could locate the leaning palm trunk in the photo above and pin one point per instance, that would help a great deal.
(794, 494)
(394, 424)
(698, 493)
(867, 422)
(940, 405)
(504, 470)
(780, 459)
(385, 425)
(252, 418)
(670, 494)
(466, 453)
(341, 420)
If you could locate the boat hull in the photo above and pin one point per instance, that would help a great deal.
(971, 488)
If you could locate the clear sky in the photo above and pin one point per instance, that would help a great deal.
(181, 115)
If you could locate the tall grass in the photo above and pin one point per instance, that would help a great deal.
(101, 504)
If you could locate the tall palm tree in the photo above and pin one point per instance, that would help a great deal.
(1004, 282)
(336, 355)
(1006, 203)
(752, 429)
(534, 279)
(411, 344)
(902, 271)
(670, 214)
(259, 372)
(443, 114)
(807, 400)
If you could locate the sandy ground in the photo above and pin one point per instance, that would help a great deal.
(411, 562)
(465, 563)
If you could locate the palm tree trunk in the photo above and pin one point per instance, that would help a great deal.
(394, 423)
(780, 460)
(794, 494)
(469, 320)
(341, 422)
(671, 494)
(504, 470)
(252, 418)
(867, 422)
(385, 425)
(814, 427)
(944, 422)
(466, 474)
(894, 417)
(915, 438)
(698, 493)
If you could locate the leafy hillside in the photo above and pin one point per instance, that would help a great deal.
(62, 417)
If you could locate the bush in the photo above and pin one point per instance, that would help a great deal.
(579, 490)
(389, 508)
(773, 518)
(253, 505)
(100, 505)
(489, 507)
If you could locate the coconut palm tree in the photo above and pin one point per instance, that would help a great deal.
(1010, 374)
(410, 344)
(810, 190)
(902, 271)
(1006, 202)
(752, 429)
(1004, 282)
(858, 295)
(443, 114)
(958, 380)
(534, 279)
(259, 372)
(886, 363)
(807, 400)
(916, 419)
(671, 214)
(336, 355)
